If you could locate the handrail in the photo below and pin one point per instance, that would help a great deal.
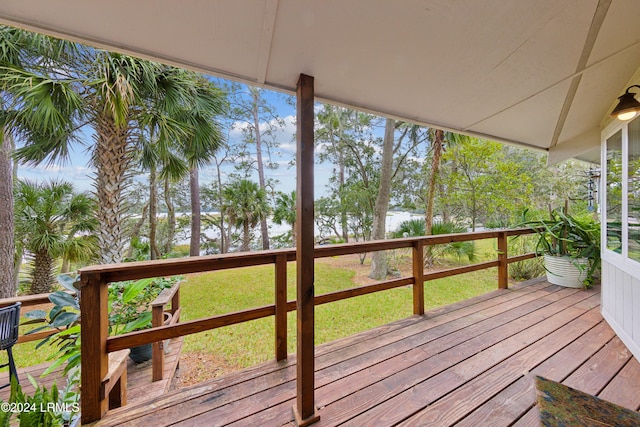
(96, 343)
(30, 301)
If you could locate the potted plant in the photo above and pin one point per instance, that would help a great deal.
(130, 309)
(571, 248)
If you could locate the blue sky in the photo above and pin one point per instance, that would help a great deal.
(79, 171)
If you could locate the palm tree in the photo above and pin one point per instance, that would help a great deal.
(116, 95)
(245, 205)
(53, 221)
(193, 102)
(416, 227)
(285, 211)
(33, 107)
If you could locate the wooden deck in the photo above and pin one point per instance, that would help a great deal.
(467, 364)
(139, 385)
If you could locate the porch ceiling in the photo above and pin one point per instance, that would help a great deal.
(542, 75)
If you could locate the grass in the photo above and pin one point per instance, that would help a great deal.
(252, 342)
(26, 354)
(249, 343)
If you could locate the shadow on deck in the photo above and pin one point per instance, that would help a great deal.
(139, 385)
(470, 363)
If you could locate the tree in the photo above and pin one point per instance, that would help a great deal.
(33, 107)
(337, 131)
(118, 96)
(53, 221)
(259, 124)
(378, 259)
(488, 182)
(8, 256)
(191, 101)
(437, 147)
(245, 205)
(285, 211)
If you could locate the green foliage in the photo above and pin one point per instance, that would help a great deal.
(130, 302)
(53, 221)
(527, 269)
(64, 318)
(565, 235)
(140, 250)
(245, 204)
(416, 227)
(45, 408)
(285, 210)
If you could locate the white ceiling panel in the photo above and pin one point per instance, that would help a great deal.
(533, 73)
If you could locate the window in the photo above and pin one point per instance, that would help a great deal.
(633, 193)
(614, 192)
(622, 192)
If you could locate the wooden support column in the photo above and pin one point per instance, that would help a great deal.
(503, 255)
(418, 277)
(281, 307)
(304, 411)
(94, 332)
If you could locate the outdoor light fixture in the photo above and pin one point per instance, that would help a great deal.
(628, 107)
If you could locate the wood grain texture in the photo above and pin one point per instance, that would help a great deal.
(305, 410)
(463, 364)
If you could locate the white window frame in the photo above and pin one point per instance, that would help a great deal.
(620, 260)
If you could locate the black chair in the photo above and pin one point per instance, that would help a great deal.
(9, 322)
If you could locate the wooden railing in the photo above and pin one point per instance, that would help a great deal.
(96, 344)
(160, 316)
(29, 301)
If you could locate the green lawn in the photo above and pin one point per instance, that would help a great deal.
(252, 342)
(26, 354)
(246, 344)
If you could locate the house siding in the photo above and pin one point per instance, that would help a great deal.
(621, 304)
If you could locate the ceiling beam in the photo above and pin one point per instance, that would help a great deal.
(573, 147)
(268, 25)
(596, 23)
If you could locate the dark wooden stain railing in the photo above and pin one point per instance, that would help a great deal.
(96, 344)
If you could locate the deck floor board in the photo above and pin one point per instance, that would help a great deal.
(469, 363)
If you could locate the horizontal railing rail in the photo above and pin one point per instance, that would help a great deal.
(30, 301)
(96, 343)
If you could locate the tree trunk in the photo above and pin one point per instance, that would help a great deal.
(154, 252)
(171, 217)
(435, 170)
(65, 266)
(264, 228)
(246, 238)
(196, 215)
(379, 265)
(7, 247)
(438, 140)
(112, 159)
(42, 273)
(223, 237)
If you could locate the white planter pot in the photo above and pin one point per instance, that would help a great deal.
(564, 271)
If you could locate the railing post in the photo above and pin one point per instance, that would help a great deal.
(175, 303)
(157, 348)
(94, 332)
(304, 411)
(281, 307)
(418, 277)
(503, 255)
